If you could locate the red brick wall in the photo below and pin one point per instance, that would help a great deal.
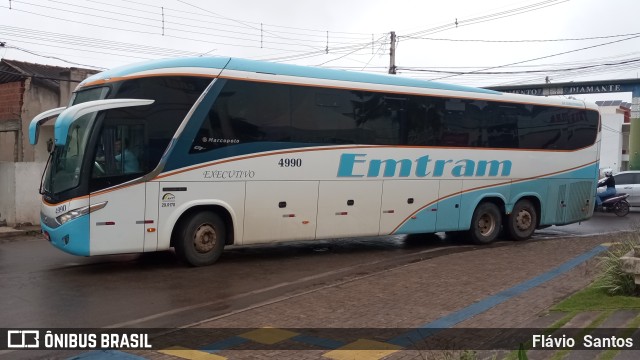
(11, 99)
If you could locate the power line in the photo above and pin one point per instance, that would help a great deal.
(255, 24)
(255, 41)
(522, 41)
(489, 17)
(57, 38)
(345, 55)
(518, 72)
(52, 57)
(372, 56)
(542, 57)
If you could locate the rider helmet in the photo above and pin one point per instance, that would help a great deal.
(608, 172)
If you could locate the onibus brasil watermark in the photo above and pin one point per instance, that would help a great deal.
(68, 340)
(586, 341)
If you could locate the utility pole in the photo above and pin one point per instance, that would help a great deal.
(392, 54)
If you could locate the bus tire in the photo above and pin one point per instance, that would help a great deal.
(522, 221)
(485, 223)
(201, 239)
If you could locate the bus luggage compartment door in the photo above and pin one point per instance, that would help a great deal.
(349, 208)
(280, 210)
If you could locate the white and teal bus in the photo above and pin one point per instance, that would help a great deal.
(200, 153)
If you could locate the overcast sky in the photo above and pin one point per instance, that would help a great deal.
(490, 36)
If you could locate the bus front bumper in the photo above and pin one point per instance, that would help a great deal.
(71, 237)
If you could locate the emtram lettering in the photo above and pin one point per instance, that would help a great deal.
(356, 165)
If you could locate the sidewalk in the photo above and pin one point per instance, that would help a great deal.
(7, 232)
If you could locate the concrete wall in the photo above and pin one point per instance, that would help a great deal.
(7, 193)
(37, 99)
(19, 197)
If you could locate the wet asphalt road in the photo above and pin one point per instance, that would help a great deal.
(43, 287)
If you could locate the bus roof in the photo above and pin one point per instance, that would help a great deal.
(237, 64)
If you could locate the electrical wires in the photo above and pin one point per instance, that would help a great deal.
(189, 28)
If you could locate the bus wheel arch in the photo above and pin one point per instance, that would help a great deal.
(201, 233)
(524, 218)
(486, 221)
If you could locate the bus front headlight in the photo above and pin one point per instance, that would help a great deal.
(76, 213)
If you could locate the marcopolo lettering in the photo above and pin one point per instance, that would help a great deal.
(357, 165)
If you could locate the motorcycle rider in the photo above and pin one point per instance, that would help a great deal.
(610, 190)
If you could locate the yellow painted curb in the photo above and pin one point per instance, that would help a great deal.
(358, 350)
(268, 336)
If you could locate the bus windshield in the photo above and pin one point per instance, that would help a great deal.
(63, 171)
(66, 161)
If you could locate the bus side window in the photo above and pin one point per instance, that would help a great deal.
(245, 112)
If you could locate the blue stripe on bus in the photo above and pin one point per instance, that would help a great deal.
(280, 69)
(426, 218)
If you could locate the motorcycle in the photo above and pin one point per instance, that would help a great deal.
(617, 204)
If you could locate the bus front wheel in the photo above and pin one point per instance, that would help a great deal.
(485, 223)
(522, 221)
(202, 239)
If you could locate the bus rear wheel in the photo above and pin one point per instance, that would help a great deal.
(202, 238)
(485, 223)
(522, 221)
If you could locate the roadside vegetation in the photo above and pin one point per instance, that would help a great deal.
(613, 289)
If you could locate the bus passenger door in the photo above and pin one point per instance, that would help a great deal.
(151, 216)
(115, 229)
(449, 195)
(119, 226)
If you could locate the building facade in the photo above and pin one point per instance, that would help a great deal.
(616, 122)
(26, 90)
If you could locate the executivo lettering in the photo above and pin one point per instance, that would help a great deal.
(358, 165)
